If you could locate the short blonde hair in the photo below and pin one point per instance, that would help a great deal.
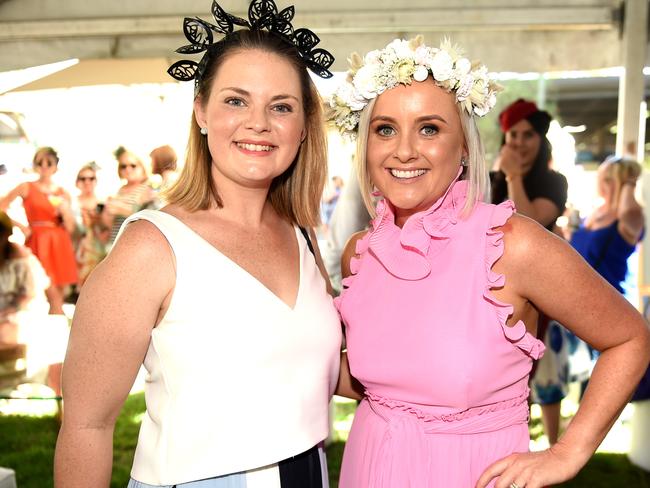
(296, 193)
(92, 166)
(120, 153)
(48, 151)
(476, 172)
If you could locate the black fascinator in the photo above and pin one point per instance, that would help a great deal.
(262, 15)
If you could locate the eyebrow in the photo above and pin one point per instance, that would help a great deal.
(422, 118)
(245, 93)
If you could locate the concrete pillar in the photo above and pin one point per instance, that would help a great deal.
(541, 91)
(631, 86)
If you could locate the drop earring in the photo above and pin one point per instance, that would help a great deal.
(204, 131)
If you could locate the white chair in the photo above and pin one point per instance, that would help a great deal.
(7, 478)
(639, 454)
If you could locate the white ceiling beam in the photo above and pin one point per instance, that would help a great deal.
(412, 21)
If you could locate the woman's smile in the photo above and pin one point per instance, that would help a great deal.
(407, 175)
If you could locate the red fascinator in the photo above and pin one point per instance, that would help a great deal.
(513, 113)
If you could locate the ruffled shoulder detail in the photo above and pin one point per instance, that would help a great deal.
(517, 334)
(361, 247)
(406, 252)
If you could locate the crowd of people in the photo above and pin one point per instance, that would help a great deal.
(70, 236)
(456, 282)
(65, 238)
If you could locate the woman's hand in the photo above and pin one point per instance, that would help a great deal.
(8, 313)
(25, 229)
(510, 162)
(568, 289)
(64, 208)
(117, 207)
(534, 469)
(146, 197)
(62, 205)
(89, 217)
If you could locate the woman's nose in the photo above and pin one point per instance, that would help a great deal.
(258, 119)
(406, 150)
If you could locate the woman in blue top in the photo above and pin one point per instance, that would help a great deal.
(608, 237)
(610, 234)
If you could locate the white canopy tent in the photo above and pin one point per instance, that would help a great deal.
(547, 35)
(125, 41)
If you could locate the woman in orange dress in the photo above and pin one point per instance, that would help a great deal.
(50, 224)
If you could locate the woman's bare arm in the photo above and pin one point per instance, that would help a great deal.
(544, 270)
(118, 307)
(348, 386)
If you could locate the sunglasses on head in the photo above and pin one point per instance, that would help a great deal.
(45, 162)
(124, 166)
(86, 178)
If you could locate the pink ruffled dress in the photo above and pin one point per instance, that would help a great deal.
(446, 379)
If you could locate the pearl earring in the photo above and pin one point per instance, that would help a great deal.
(204, 131)
(463, 161)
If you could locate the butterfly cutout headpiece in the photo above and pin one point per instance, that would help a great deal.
(262, 15)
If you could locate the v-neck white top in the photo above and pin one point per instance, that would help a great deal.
(236, 379)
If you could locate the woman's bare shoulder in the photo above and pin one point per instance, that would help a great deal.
(350, 246)
(349, 251)
(140, 241)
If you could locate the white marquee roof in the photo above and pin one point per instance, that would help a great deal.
(507, 35)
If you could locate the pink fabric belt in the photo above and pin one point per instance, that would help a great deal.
(474, 420)
(405, 459)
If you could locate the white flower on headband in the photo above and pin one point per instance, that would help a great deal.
(421, 73)
(465, 87)
(402, 61)
(463, 67)
(364, 82)
(401, 49)
(442, 66)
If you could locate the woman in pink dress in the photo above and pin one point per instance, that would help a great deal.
(439, 306)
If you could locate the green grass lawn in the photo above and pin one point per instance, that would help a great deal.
(27, 446)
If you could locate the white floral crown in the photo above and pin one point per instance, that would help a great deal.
(402, 61)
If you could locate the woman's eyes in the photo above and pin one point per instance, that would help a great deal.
(385, 130)
(280, 107)
(235, 102)
(429, 130)
(283, 107)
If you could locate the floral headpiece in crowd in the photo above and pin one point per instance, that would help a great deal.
(262, 14)
(403, 61)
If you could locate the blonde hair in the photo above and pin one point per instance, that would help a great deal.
(47, 150)
(363, 175)
(92, 166)
(120, 153)
(621, 171)
(296, 193)
(476, 172)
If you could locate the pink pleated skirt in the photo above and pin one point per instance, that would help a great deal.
(391, 447)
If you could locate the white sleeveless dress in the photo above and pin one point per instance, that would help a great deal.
(237, 381)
